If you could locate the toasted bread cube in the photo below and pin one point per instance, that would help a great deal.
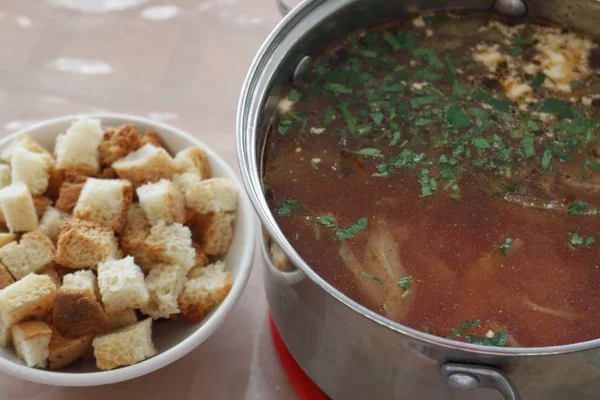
(212, 195)
(125, 346)
(184, 181)
(6, 238)
(63, 350)
(279, 259)
(4, 175)
(81, 244)
(165, 283)
(68, 195)
(121, 319)
(171, 244)
(161, 200)
(204, 291)
(153, 139)
(193, 160)
(34, 252)
(21, 142)
(18, 208)
(55, 181)
(105, 202)
(133, 235)
(213, 231)
(51, 272)
(122, 285)
(77, 149)
(147, 164)
(51, 222)
(118, 143)
(32, 340)
(201, 257)
(77, 313)
(84, 280)
(32, 296)
(32, 169)
(41, 204)
(6, 279)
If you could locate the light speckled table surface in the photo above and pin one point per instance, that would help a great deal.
(179, 61)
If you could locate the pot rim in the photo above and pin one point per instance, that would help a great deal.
(249, 109)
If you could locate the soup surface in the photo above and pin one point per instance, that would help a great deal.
(444, 171)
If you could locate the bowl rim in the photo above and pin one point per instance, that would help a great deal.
(212, 322)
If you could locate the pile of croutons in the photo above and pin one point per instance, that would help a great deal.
(105, 235)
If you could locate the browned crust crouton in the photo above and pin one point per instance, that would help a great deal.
(76, 313)
(212, 231)
(68, 196)
(41, 203)
(133, 235)
(55, 181)
(117, 143)
(63, 350)
(81, 244)
(5, 277)
(154, 139)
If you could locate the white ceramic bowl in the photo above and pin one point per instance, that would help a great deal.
(173, 339)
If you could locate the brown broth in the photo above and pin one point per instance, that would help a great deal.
(543, 289)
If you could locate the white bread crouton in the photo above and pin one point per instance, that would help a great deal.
(77, 149)
(6, 279)
(81, 244)
(32, 169)
(279, 259)
(83, 280)
(212, 195)
(154, 139)
(204, 291)
(122, 285)
(18, 208)
(133, 235)
(31, 340)
(51, 222)
(193, 160)
(184, 181)
(63, 350)
(41, 204)
(201, 257)
(76, 313)
(32, 296)
(4, 175)
(171, 244)
(161, 200)
(121, 319)
(165, 283)
(6, 238)
(117, 143)
(147, 164)
(34, 252)
(213, 231)
(104, 202)
(125, 346)
(51, 272)
(21, 142)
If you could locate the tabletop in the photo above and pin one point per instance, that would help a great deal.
(178, 61)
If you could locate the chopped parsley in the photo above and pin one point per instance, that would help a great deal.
(327, 219)
(429, 185)
(457, 117)
(404, 284)
(538, 80)
(372, 277)
(290, 207)
(499, 339)
(464, 326)
(352, 230)
(591, 164)
(577, 240)
(504, 247)
(294, 95)
(338, 88)
(370, 152)
(528, 141)
(579, 207)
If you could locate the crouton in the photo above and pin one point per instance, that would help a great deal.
(68, 196)
(32, 340)
(201, 257)
(63, 350)
(108, 173)
(117, 143)
(122, 285)
(161, 201)
(125, 346)
(76, 313)
(104, 202)
(212, 195)
(55, 181)
(121, 319)
(213, 231)
(77, 149)
(50, 271)
(6, 279)
(21, 142)
(184, 181)
(18, 208)
(32, 296)
(34, 252)
(4, 175)
(41, 204)
(193, 160)
(133, 235)
(51, 222)
(32, 169)
(153, 139)
(171, 244)
(165, 283)
(6, 238)
(147, 164)
(279, 259)
(81, 244)
(84, 280)
(207, 289)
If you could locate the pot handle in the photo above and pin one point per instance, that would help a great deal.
(471, 377)
(285, 6)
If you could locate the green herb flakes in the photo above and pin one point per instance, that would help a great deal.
(338, 88)
(328, 116)
(538, 80)
(404, 283)
(457, 117)
(391, 40)
(577, 240)
(591, 164)
(546, 161)
(498, 340)
(504, 247)
(417, 102)
(557, 107)
(289, 207)
(294, 95)
(429, 55)
(377, 118)
(327, 219)
(464, 326)
(528, 142)
(372, 277)
(352, 230)
(481, 143)
(429, 185)
(349, 118)
(370, 152)
(579, 207)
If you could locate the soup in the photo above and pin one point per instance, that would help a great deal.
(444, 171)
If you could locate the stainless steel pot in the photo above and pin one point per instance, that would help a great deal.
(348, 350)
